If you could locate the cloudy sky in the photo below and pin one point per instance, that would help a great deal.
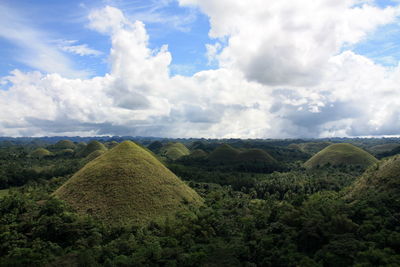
(200, 68)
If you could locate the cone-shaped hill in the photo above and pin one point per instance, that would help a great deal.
(341, 154)
(381, 178)
(127, 185)
(256, 155)
(40, 153)
(91, 147)
(174, 151)
(310, 147)
(198, 154)
(64, 144)
(224, 154)
(95, 154)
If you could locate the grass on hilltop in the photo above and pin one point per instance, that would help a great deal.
(64, 144)
(310, 147)
(91, 147)
(40, 153)
(341, 155)
(255, 155)
(382, 177)
(198, 154)
(174, 151)
(127, 185)
(224, 154)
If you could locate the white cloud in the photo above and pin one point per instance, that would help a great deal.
(288, 42)
(82, 50)
(301, 84)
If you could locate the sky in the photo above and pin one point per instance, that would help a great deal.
(200, 68)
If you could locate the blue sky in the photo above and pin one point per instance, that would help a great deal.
(184, 29)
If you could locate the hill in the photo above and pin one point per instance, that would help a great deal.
(310, 147)
(127, 185)
(64, 144)
(155, 146)
(174, 151)
(65, 152)
(379, 149)
(91, 147)
(198, 154)
(381, 178)
(93, 156)
(40, 153)
(255, 155)
(224, 154)
(341, 154)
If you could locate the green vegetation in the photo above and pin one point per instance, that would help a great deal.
(381, 178)
(310, 147)
(111, 144)
(4, 192)
(255, 155)
(379, 149)
(341, 154)
(65, 152)
(198, 154)
(174, 151)
(127, 185)
(224, 154)
(334, 215)
(91, 147)
(40, 153)
(93, 156)
(64, 144)
(155, 147)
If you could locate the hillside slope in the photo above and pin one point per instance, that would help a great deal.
(127, 185)
(341, 154)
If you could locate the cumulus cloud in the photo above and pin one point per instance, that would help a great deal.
(288, 42)
(284, 71)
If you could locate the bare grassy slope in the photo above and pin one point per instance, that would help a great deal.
(127, 185)
(341, 154)
(383, 177)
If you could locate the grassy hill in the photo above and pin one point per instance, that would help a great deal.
(382, 177)
(65, 152)
(174, 151)
(198, 154)
(255, 155)
(91, 147)
(95, 154)
(64, 144)
(341, 154)
(224, 154)
(127, 185)
(40, 153)
(311, 147)
(378, 149)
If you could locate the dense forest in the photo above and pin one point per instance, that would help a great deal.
(264, 203)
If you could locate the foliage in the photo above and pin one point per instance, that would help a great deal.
(328, 216)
